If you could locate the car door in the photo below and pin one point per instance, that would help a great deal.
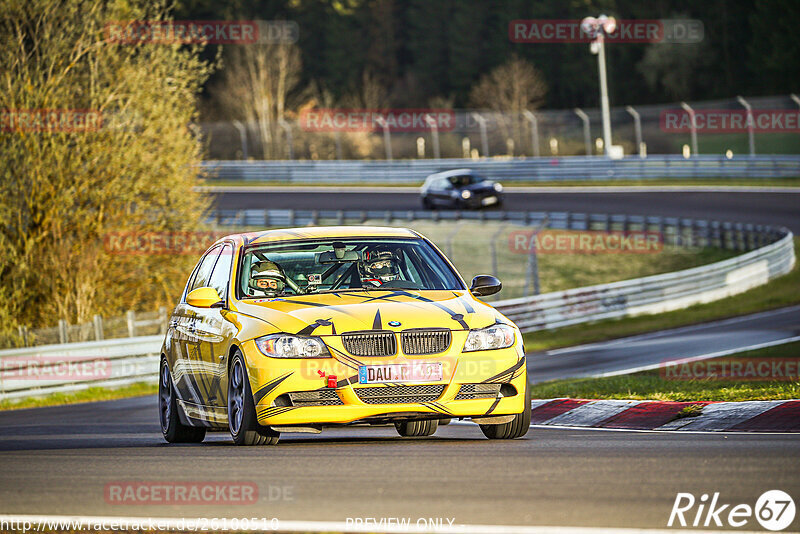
(185, 347)
(214, 333)
(442, 191)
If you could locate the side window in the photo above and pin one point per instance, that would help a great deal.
(204, 269)
(222, 271)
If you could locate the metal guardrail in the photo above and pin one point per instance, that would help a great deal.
(573, 168)
(37, 371)
(40, 370)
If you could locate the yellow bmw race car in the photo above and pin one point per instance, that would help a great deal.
(299, 329)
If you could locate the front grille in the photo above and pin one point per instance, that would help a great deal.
(370, 343)
(425, 340)
(321, 397)
(399, 394)
(478, 391)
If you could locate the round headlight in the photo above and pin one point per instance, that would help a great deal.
(498, 187)
(465, 194)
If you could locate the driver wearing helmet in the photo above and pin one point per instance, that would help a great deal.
(378, 266)
(267, 279)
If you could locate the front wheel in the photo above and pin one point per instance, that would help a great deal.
(242, 421)
(171, 427)
(417, 428)
(516, 428)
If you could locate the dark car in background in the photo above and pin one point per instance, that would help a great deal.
(460, 189)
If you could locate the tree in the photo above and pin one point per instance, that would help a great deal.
(510, 89)
(256, 85)
(63, 190)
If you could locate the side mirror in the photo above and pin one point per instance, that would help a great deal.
(204, 297)
(484, 285)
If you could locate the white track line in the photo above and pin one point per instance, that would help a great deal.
(194, 524)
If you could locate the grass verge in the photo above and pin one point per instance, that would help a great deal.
(86, 395)
(783, 291)
(657, 384)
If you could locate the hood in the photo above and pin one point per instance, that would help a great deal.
(485, 185)
(335, 313)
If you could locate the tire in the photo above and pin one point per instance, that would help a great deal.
(171, 427)
(242, 422)
(514, 429)
(417, 428)
(427, 204)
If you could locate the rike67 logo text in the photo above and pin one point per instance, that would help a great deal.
(773, 510)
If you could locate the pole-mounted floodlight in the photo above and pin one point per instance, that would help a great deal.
(597, 29)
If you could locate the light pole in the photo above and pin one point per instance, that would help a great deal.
(434, 134)
(587, 136)
(534, 131)
(637, 128)
(289, 142)
(484, 137)
(597, 28)
(693, 126)
(750, 126)
(387, 137)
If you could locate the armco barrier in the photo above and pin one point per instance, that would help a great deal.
(572, 168)
(35, 371)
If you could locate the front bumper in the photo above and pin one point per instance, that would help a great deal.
(271, 379)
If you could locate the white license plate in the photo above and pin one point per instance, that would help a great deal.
(413, 372)
(488, 201)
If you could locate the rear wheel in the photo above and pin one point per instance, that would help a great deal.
(513, 429)
(171, 427)
(417, 428)
(242, 421)
(426, 203)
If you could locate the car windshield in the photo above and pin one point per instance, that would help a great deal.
(332, 265)
(465, 179)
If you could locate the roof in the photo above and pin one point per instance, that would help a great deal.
(322, 232)
(452, 172)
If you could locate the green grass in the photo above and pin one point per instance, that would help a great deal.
(650, 385)
(86, 395)
(771, 182)
(471, 254)
(783, 291)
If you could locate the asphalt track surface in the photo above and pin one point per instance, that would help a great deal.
(60, 460)
(656, 348)
(776, 208)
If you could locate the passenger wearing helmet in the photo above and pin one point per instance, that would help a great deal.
(267, 279)
(378, 266)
